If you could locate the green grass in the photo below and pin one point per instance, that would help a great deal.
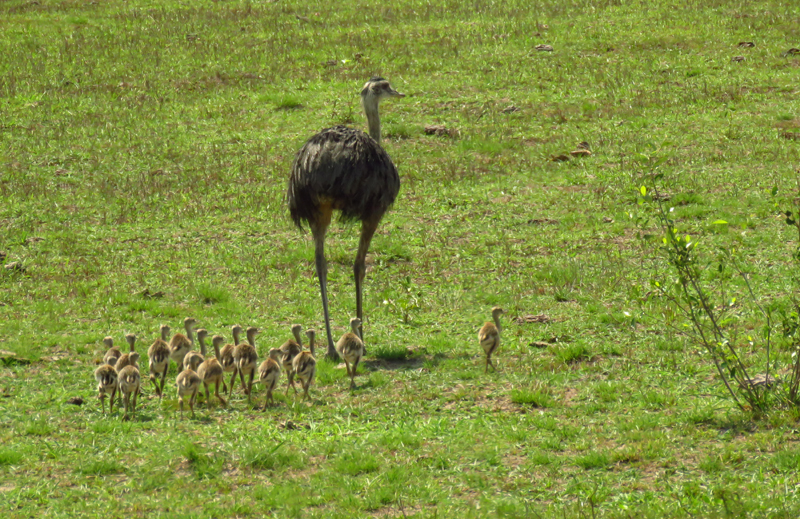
(146, 149)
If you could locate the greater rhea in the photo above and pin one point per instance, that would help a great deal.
(351, 349)
(246, 359)
(211, 372)
(269, 372)
(347, 170)
(489, 337)
(181, 344)
(158, 355)
(129, 385)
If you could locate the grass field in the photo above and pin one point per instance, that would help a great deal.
(145, 147)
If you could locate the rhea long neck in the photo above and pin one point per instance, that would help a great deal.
(370, 104)
(496, 318)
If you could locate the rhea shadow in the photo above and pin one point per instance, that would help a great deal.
(413, 362)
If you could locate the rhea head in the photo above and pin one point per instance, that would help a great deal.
(378, 88)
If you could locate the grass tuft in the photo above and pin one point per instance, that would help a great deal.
(573, 353)
(396, 352)
(204, 466)
(38, 427)
(211, 295)
(102, 467)
(266, 457)
(532, 397)
(355, 463)
(593, 460)
(10, 457)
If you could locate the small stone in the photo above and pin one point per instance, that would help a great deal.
(559, 158)
(75, 400)
(540, 318)
(580, 153)
(737, 59)
(746, 44)
(438, 129)
(544, 48)
(15, 266)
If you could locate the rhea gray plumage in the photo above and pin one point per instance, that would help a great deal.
(347, 170)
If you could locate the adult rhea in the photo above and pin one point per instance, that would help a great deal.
(347, 170)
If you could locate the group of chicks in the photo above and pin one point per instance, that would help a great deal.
(120, 371)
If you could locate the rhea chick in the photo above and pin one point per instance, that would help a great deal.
(126, 359)
(351, 348)
(158, 355)
(195, 358)
(181, 344)
(489, 337)
(246, 358)
(226, 359)
(289, 350)
(304, 367)
(211, 372)
(112, 352)
(269, 372)
(188, 383)
(130, 384)
(106, 377)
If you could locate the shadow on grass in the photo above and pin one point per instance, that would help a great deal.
(409, 362)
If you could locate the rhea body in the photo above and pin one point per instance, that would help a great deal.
(489, 337)
(269, 373)
(245, 357)
(158, 357)
(351, 349)
(347, 170)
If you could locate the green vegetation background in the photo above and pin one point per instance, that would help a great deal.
(146, 146)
